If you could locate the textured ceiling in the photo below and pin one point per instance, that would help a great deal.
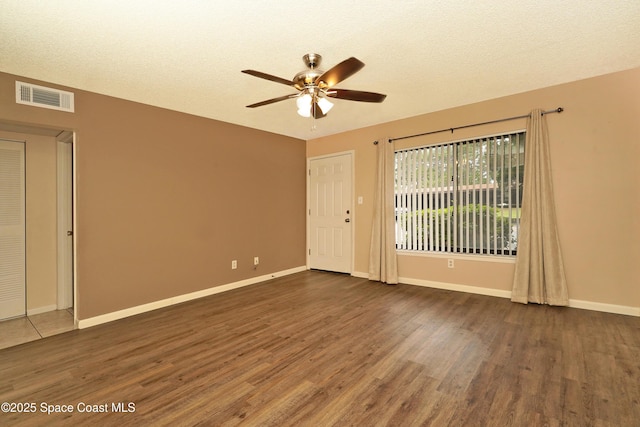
(425, 55)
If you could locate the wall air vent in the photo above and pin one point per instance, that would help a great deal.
(39, 96)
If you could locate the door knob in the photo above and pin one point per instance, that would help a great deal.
(347, 220)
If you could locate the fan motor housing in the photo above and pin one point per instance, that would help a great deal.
(306, 78)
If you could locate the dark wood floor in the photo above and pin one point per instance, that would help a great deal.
(324, 349)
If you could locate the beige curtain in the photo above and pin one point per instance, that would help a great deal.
(539, 273)
(383, 266)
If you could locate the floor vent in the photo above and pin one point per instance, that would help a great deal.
(45, 97)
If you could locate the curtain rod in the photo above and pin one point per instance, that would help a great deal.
(557, 110)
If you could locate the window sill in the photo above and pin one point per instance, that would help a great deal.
(505, 259)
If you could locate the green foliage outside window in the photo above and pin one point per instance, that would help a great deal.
(495, 224)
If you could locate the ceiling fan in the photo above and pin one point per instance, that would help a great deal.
(316, 86)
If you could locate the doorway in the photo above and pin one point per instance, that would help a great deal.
(330, 213)
(48, 260)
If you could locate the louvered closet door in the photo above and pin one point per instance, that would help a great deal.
(12, 229)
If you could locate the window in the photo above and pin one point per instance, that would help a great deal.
(461, 197)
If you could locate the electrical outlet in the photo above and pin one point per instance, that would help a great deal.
(256, 260)
(450, 263)
(234, 264)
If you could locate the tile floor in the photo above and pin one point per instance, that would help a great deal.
(29, 328)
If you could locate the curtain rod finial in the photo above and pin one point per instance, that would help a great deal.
(560, 110)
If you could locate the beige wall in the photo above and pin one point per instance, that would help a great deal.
(166, 200)
(41, 225)
(595, 146)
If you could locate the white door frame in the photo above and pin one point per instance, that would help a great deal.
(67, 294)
(64, 172)
(351, 154)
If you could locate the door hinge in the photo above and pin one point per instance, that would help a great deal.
(309, 251)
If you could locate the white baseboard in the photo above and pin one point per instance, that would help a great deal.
(40, 310)
(132, 311)
(607, 308)
(584, 305)
(455, 287)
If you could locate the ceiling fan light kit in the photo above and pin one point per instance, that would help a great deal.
(315, 86)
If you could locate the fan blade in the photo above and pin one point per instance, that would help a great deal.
(272, 100)
(356, 95)
(268, 77)
(317, 112)
(345, 69)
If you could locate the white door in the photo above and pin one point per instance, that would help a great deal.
(65, 221)
(330, 213)
(12, 230)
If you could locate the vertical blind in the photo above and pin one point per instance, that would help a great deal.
(461, 197)
(12, 229)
